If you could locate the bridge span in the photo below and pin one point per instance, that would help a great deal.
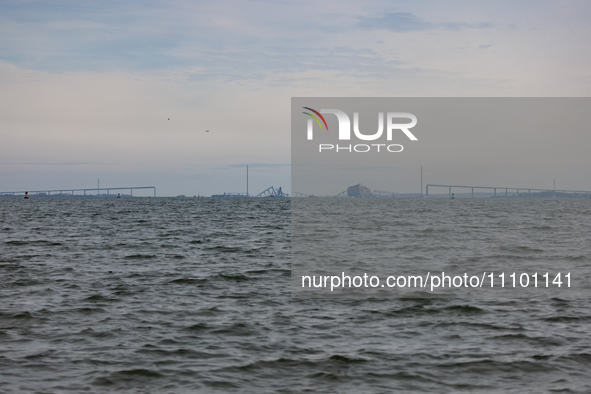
(62, 192)
(506, 189)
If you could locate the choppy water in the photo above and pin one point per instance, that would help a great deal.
(184, 295)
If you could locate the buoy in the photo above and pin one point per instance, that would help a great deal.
(452, 196)
(26, 195)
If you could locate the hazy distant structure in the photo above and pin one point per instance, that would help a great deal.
(272, 192)
(269, 192)
(515, 191)
(358, 191)
(296, 194)
(233, 195)
(72, 192)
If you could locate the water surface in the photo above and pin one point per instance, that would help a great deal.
(194, 295)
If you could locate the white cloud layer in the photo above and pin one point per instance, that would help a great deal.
(94, 83)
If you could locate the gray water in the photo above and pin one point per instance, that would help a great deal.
(194, 295)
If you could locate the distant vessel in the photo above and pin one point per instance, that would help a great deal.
(358, 191)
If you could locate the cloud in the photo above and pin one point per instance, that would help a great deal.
(404, 22)
(203, 41)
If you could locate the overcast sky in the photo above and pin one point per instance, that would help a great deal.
(88, 87)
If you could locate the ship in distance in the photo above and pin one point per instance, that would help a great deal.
(358, 191)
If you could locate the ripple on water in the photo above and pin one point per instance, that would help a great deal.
(177, 295)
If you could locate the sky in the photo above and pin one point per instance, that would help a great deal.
(182, 95)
